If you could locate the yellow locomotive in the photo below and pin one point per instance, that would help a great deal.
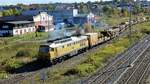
(61, 49)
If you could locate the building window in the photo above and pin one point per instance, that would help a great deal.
(62, 46)
(16, 31)
(52, 49)
(5, 26)
(20, 31)
(29, 30)
(33, 29)
(24, 30)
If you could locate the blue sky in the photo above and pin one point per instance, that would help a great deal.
(8, 2)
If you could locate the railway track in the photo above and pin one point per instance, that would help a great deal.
(17, 78)
(14, 80)
(110, 73)
(136, 74)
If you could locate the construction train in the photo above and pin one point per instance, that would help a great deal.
(61, 49)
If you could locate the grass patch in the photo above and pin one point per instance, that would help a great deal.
(26, 37)
(17, 55)
(13, 64)
(112, 21)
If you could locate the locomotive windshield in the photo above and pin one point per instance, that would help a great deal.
(44, 48)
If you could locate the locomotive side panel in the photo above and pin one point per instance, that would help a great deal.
(70, 48)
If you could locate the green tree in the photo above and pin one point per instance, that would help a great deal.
(88, 28)
(83, 8)
(50, 7)
(76, 5)
(107, 9)
(6, 13)
(23, 7)
(11, 12)
(1, 14)
(127, 1)
(115, 11)
(15, 12)
(116, 1)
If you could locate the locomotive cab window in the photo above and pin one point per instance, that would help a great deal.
(63, 46)
(52, 49)
(44, 48)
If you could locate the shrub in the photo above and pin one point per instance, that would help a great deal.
(108, 50)
(13, 64)
(145, 30)
(71, 72)
(122, 43)
(3, 75)
(55, 75)
(23, 53)
(84, 69)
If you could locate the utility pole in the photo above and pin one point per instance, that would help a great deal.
(48, 26)
(130, 19)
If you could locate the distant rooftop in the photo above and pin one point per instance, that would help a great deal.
(81, 15)
(20, 22)
(16, 18)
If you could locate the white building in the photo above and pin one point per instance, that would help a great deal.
(16, 28)
(63, 15)
(84, 18)
(43, 22)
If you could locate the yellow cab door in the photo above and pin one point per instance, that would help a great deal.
(52, 53)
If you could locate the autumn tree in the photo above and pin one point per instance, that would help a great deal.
(88, 28)
(125, 12)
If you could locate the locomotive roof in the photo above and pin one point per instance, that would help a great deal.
(91, 33)
(66, 41)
